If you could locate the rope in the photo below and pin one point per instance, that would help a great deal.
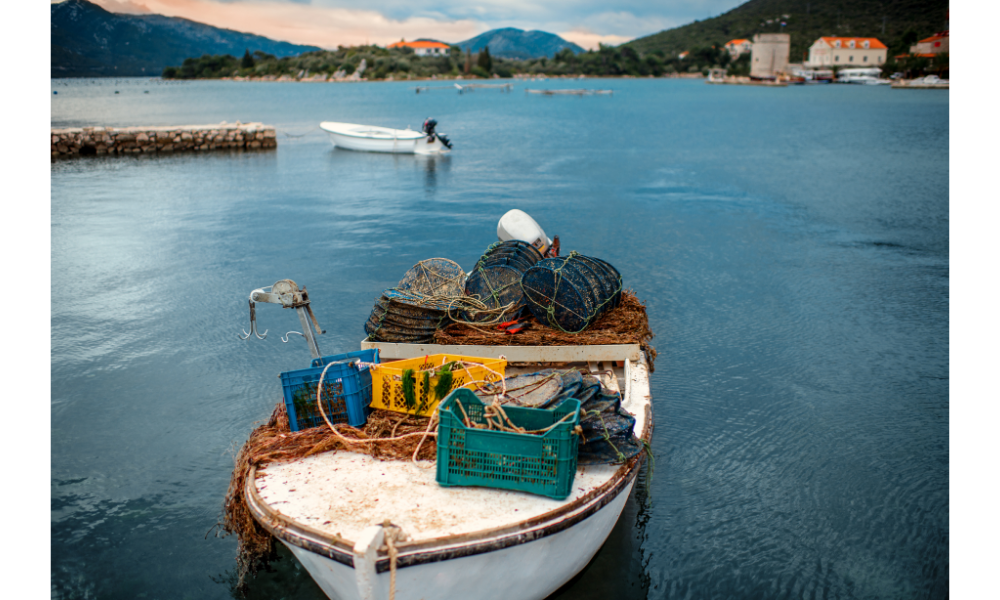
(392, 534)
(319, 401)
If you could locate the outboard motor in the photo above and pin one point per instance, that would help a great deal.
(428, 128)
(518, 225)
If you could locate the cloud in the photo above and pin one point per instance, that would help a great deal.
(590, 41)
(329, 23)
(124, 7)
(310, 24)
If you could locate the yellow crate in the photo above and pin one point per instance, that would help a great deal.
(387, 380)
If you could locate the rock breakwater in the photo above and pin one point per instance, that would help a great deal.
(143, 140)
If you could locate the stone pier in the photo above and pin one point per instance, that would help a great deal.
(145, 140)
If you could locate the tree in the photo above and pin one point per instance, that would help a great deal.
(468, 60)
(484, 60)
(247, 62)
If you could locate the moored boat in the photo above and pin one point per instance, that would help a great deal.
(371, 138)
(335, 510)
(537, 446)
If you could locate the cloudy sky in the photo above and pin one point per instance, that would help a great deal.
(329, 23)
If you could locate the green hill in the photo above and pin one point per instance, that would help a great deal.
(894, 22)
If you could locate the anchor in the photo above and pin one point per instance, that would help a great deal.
(286, 293)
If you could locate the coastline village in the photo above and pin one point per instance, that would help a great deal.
(831, 59)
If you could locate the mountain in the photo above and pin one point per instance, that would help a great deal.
(518, 44)
(891, 21)
(88, 41)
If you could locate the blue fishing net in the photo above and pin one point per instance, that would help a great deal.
(608, 430)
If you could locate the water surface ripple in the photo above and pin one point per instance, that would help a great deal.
(791, 246)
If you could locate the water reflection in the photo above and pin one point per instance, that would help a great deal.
(618, 570)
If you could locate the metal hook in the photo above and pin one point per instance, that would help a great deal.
(285, 339)
(253, 325)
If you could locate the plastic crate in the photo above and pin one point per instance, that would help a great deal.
(368, 356)
(387, 381)
(538, 464)
(347, 392)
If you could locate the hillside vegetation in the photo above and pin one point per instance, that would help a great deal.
(402, 63)
(518, 44)
(88, 41)
(806, 20)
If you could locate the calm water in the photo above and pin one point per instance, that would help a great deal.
(791, 246)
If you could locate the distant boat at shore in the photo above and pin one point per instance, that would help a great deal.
(371, 138)
(582, 92)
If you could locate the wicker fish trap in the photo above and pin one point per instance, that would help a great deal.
(495, 281)
(569, 293)
(434, 277)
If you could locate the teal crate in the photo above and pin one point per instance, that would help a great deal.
(538, 464)
(347, 392)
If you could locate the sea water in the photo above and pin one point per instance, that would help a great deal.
(791, 246)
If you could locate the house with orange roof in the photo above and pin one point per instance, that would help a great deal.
(932, 46)
(847, 51)
(737, 47)
(424, 48)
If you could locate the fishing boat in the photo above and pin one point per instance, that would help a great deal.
(338, 512)
(371, 138)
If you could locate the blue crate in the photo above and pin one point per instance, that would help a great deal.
(368, 356)
(347, 392)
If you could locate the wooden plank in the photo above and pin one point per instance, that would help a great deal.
(388, 351)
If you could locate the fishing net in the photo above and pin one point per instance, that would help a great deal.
(274, 441)
(626, 324)
(495, 281)
(569, 293)
(607, 431)
(434, 277)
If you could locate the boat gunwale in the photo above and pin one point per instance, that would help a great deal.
(409, 136)
(444, 548)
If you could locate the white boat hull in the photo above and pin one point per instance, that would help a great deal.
(529, 571)
(364, 138)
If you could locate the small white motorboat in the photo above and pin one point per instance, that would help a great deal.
(864, 76)
(371, 138)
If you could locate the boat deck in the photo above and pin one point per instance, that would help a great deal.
(340, 494)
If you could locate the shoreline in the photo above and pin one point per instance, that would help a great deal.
(330, 79)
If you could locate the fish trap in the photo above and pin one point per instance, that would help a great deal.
(434, 277)
(404, 317)
(569, 293)
(543, 464)
(417, 385)
(346, 394)
(495, 281)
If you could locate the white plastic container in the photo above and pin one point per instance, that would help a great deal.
(517, 225)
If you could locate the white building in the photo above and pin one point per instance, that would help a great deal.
(769, 55)
(738, 47)
(847, 51)
(936, 44)
(424, 48)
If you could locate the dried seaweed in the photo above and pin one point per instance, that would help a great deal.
(627, 324)
(274, 441)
